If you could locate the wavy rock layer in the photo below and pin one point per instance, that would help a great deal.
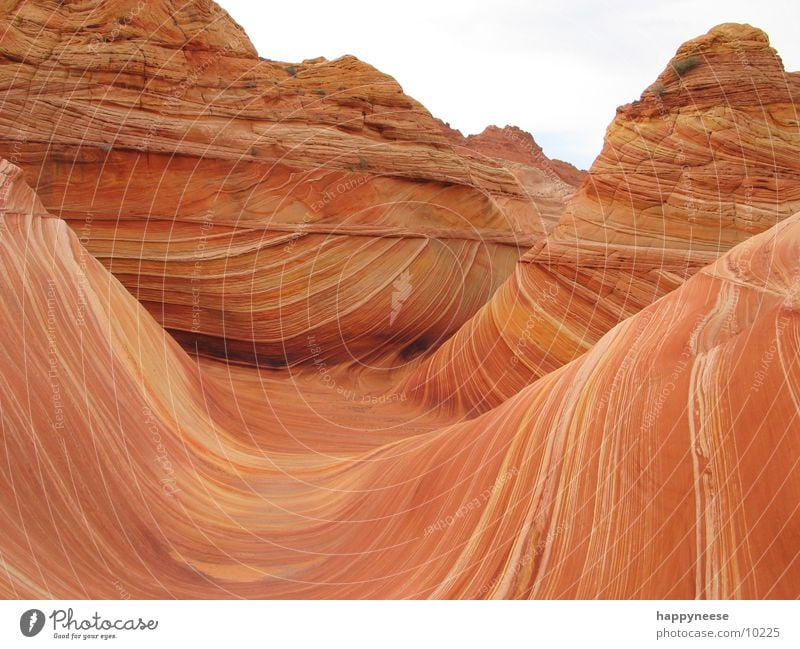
(705, 159)
(250, 204)
(660, 464)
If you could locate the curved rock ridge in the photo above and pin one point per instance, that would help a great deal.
(705, 159)
(661, 464)
(249, 203)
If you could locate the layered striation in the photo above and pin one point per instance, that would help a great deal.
(661, 464)
(705, 159)
(251, 204)
(272, 330)
(546, 181)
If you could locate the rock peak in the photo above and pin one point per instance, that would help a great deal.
(174, 24)
(732, 64)
(517, 145)
(727, 36)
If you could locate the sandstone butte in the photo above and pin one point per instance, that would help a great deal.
(251, 204)
(705, 159)
(155, 223)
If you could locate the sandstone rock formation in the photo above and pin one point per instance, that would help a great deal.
(549, 182)
(705, 159)
(515, 145)
(270, 329)
(661, 464)
(251, 204)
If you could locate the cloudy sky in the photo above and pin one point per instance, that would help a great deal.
(557, 69)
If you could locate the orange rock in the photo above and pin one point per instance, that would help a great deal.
(617, 421)
(661, 464)
(707, 158)
(515, 145)
(249, 203)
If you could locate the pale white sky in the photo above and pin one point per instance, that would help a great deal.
(556, 69)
